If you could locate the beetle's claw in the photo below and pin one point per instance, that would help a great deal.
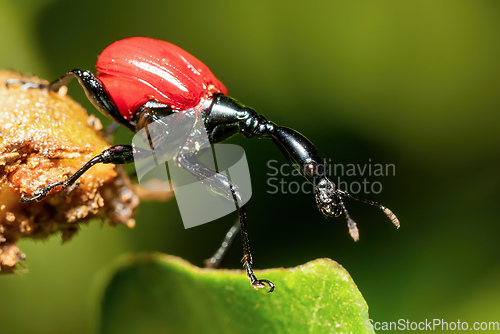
(39, 194)
(26, 84)
(256, 283)
(261, 283)
(30, 199)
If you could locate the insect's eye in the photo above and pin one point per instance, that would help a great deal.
(311, 168)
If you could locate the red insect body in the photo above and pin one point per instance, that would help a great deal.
(136, 70)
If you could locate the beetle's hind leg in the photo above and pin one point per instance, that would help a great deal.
(220, 183)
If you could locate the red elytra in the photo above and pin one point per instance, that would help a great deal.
(139, 69)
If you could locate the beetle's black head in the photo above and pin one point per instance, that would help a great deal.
(330, 202)
(328, 198)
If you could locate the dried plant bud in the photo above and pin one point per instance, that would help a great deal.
(44, 138)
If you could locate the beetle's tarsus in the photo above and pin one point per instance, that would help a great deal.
(38, 195)
(41, 193)
(262, 283)
(29, 199)
(256, 283)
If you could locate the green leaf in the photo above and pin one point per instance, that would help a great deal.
(157, 293)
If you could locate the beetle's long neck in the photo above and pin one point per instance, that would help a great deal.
(227, 117)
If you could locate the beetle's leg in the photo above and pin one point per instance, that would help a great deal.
(95, 91)
(220, 183)
(227, 117)
(119, 154)
(157, 114)
(152, 112)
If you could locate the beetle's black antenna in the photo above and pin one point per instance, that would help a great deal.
(385, 209)
(353, 228)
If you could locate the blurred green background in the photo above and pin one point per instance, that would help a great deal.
(410, 83)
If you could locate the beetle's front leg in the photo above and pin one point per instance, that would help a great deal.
(119, 154)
